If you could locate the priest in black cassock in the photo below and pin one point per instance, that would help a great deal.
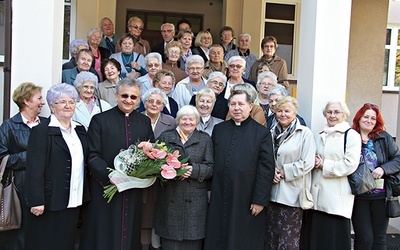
(114, 225)
(242, 179)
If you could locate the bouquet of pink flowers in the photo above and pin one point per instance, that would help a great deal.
(140, 165)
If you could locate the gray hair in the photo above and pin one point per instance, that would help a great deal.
(127, 82)
(216, 74)
(155, 91)
(206, 92)
(268, 74)
(85, 77)
(246, 87)
(90, 32)
(102, 20)
(245, 34)
(235, 58)
(73, 46)
(290, 100)
(278, 90)
(152, 55)
(173, 26)
(194, 59)
(187, 110)
(343, 107)
(61, 90)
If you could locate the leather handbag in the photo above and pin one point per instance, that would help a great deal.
(305, 198)
(10, 206)
(361, 180)
(393, 182)
(392, 207)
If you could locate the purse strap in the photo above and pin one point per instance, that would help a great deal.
(3, 166)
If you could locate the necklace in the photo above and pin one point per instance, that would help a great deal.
(127, 59)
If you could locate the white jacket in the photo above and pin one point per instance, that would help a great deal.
(82, 114)
(330, 187)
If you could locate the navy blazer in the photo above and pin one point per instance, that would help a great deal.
(48, 170)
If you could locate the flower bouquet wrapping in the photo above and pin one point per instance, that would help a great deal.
(140, 165)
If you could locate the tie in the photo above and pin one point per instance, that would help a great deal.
(110, 45)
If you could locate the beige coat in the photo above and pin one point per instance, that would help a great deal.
(330, 187)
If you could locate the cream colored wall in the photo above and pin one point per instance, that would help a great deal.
(366, 56)
(212, 12)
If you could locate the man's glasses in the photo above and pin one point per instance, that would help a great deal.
(126, 96)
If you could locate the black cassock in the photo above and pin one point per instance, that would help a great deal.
(243, 173)
(114, 225)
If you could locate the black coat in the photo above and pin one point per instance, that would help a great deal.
(200, 52)
(243, 171)
(114, 225)
(220, 109)
(159, 48)
(48, 171)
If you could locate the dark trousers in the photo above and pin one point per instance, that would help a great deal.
(370, 224)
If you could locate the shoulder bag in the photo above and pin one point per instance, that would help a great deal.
(10, 206)
(393, 182)
(305, 198)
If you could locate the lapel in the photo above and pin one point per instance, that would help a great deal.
(80, 130)
(56, 136)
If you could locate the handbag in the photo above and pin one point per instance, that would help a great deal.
(361, 180)
(393, 182)
(392, 207)
(305, 198)
(10, 206)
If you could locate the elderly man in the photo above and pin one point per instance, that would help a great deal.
(167, 33)
(109, 39)
(277, 64)
(243, 50)
(109, 132)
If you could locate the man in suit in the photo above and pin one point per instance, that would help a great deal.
(109, 39)
(167, 32)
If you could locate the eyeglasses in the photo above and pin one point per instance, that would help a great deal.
(371, 105)
(193, 69)
(65, 103)
(137, 27)
(156, 102)
(126, 96)
(213, 82)
(85, 87)
(174, 52)
(238, 66)
(155, 65)
(335, 112)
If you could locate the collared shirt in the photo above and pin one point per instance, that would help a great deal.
(77, 161)
(30, 124)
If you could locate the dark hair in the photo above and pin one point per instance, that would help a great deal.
(126, 36)
(379, 126)
(107, 61)
(269, 39)
(225, 28)
(183, 21)
(87, 51)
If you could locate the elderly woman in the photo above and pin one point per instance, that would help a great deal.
(205, 100)
(74, 47)
(243, 50)
(216, 62)
(14, 134)
(153, 63)
(236, 65)
(203, 42)
(111, 70)
(336, 158)
(185, 37)
(55, 176)
(192, 84)
(88, 105)
(256, 112)
(132, 63)
(84, 61)
(173, 52)
(379, 150)
(165, 80)
(182, 203)
(241, 183)
(99, 53)
(265, 82)
(136, 26)
(294, 151)
(154, 101)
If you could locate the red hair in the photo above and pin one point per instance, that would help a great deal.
(380, 124)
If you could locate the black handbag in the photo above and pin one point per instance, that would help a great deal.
(392, 207)
(393, 182)
(10, 206)
(361, 180)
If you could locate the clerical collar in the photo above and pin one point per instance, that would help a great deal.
(238, 124)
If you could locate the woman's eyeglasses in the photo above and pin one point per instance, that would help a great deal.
(371, 105)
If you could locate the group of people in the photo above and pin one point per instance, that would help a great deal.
(250, 152)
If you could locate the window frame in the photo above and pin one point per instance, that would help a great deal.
(393, 47)
(72, 25)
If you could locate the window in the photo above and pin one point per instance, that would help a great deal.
(280, 22)
(69, 26)
(391, 76)
(2, 30)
